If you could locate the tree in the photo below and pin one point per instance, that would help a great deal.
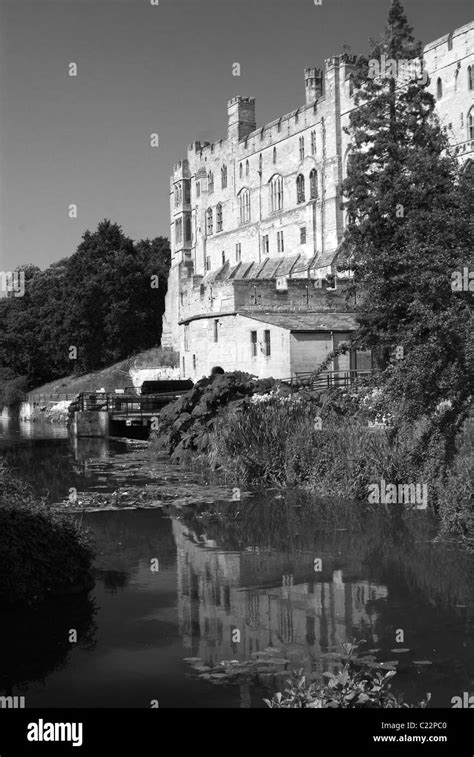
(106, 300)
(408, 229)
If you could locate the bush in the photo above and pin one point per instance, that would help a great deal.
(185, 425)
(44, 553)
(356, 686)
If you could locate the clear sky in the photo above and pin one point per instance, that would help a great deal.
(145, 69)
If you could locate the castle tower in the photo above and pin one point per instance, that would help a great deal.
(181, 241)
(241, 112)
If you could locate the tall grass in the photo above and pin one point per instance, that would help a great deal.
(277, 443)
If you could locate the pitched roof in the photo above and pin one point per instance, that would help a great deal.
(304, 321)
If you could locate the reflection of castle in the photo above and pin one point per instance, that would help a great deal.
(221, 592)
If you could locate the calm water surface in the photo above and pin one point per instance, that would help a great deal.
(254, 574)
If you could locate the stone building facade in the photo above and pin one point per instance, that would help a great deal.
(263, 205)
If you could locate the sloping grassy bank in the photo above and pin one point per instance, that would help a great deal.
(116, 376)
(44, 553)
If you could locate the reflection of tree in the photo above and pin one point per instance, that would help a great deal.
(124, 538)
(45, 464)
(113, 579)
(35, 642)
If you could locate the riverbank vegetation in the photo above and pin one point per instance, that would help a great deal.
(44, 553)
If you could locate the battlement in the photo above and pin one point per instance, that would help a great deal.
(447, 37)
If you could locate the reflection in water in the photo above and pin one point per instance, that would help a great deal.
(51, 462)
(299, 612)
(252, 572)
(380, 578)
(12, 428)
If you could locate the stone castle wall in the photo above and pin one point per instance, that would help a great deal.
(310, 138)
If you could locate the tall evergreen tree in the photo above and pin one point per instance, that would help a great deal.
(408, 207)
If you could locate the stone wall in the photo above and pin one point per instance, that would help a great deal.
(312, 137)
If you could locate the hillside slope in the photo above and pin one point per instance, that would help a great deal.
(115, 376)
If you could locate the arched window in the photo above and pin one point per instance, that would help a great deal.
(210, 182)
(219, 217)
(313, 143)
(301, 148)
(260, 162)
(439, 88)
(470, 124)
(450, 41)
(470, 78)
(223, 257)
(456, 77)
(187, 229)
(241, 170)
(351, 86)
(313, 184)
(198, 189)
(300, 188)
(223, 177)
(274, 155)
(244, 206)
(276, 193)
(209, 222)
(246, 168)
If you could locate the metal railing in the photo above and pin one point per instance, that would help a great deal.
(53, 397)
(326, 379)
(125, 404)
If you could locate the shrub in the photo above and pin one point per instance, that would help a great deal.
(455, 499)
(185, 425)
(44, 553)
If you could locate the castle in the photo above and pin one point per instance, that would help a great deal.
(256, 224)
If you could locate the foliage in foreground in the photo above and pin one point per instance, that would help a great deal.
(185, 425)
(44, 553)
(356, 686)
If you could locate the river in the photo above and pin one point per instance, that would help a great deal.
(280, 577)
